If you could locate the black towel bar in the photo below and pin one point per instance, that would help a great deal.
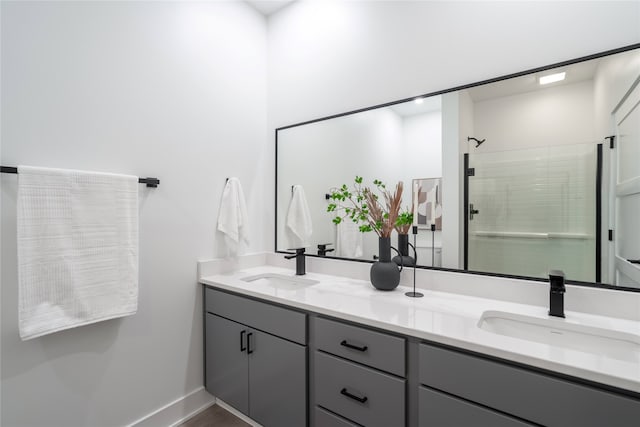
(151, 182)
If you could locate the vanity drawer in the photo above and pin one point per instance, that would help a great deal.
(536, 397)
(325, 418)
(367, 397)
(282, 322)
(441, 410)
(375, 349)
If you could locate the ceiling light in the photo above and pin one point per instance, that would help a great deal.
(552, 78)
(419, 101)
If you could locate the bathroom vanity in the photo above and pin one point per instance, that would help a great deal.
(527, 192)
(331, 351)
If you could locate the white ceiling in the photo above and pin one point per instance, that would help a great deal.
(410, 108)
(575, 73)
(267, 7)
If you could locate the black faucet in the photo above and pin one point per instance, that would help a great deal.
(556, 293)
(300, 264)
(322, 249)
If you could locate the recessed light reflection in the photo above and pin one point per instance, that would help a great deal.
(552, 78)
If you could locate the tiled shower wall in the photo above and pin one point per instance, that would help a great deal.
(537, 211)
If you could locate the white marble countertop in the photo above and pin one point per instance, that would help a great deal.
(445, 318)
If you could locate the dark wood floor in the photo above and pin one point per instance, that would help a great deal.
(215, 416)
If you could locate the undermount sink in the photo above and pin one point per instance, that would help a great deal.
(560, 333)
(280, 281)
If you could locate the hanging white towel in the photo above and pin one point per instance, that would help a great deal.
(349, 241)
(299, 218)
(77, 248)
(233, 219)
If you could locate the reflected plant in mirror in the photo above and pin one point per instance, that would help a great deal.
(363, 206)
(404, 222)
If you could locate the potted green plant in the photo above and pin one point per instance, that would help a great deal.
(374, 209)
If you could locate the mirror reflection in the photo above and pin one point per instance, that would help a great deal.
(513, 177)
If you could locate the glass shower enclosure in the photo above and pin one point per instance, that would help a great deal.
(530, 211)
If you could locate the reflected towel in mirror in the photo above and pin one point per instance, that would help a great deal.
(349, 240)
(299, 218)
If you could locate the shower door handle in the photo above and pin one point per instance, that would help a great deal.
(472, 211)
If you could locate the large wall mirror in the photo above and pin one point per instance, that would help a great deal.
(516, 176)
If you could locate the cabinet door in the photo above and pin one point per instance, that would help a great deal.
(226, 362)
(277, 381)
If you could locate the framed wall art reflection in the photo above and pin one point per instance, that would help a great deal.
(427, 202)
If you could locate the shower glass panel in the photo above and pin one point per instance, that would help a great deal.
(536, 211)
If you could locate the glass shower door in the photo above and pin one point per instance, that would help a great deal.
(533, 210)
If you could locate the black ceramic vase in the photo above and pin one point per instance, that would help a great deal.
(403, 258)
(385, 274)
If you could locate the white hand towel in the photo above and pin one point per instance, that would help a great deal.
(299, 218)
(77, 248)
(233, 219)
(349, 241)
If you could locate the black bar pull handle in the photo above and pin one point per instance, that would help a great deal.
(242, 346)
(362, 399)
(249, 350)
(344, 343)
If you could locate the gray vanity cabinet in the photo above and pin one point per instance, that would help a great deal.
(518, 392)
(258, 373)
(256, 361)
(358, 376)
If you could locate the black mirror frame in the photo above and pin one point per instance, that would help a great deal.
(457, 88)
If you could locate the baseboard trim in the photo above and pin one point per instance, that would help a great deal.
(237, 413)
(178, 411)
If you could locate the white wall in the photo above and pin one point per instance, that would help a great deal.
(613, 79)
(453, 133)
(330, 57)
(423, 147)
(546, 117)
(422, 150)
(173, 90)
